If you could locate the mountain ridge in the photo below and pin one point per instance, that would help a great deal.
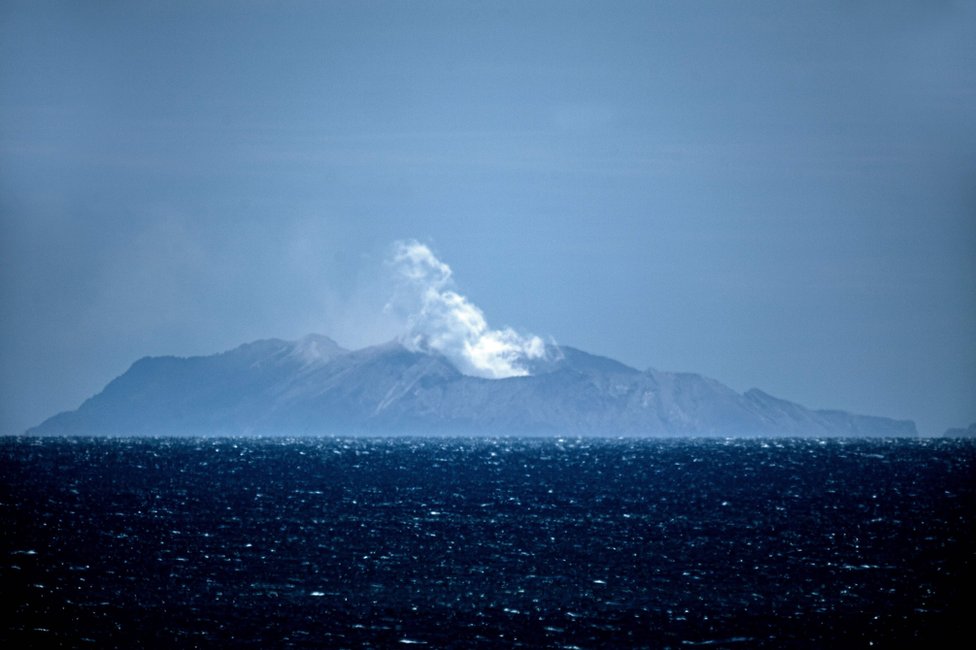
(313, 386)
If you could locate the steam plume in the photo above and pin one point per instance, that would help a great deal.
(440, 319)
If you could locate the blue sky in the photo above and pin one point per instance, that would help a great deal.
(779, 195)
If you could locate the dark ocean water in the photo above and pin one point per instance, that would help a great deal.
(485, 543)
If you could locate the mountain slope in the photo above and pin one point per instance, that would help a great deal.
(313, 386)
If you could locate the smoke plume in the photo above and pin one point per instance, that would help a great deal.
(442, 320)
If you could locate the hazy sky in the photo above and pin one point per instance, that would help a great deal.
(773, 194)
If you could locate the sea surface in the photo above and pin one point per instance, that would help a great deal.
(477, 543)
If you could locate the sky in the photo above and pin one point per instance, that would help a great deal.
(779, 195)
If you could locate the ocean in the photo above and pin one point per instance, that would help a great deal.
(486, 543)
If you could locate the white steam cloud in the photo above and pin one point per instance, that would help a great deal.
(442, 320)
